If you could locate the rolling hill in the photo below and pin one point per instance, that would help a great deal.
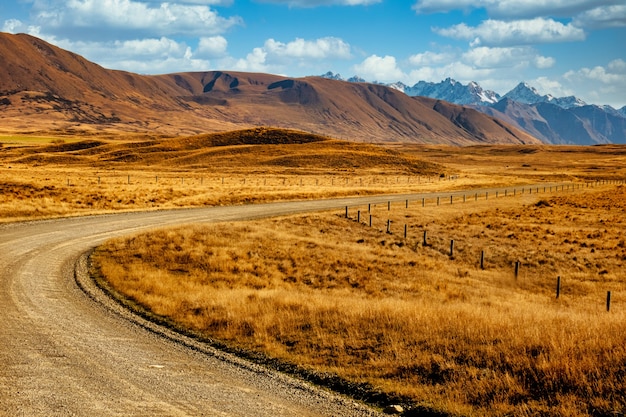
(45, 88)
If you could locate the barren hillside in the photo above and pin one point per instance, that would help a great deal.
(46, 88)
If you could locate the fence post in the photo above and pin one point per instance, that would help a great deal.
(437, 200)
(450, 199)
(358, 216)
(482, 259)
(388, 205)
(388, 226)
(405, 228)
(370, 220)
(452, 248)
(608, 301)
(516, 269)
(558, 287)
(425, 238)
(423, 201)
(346, 212)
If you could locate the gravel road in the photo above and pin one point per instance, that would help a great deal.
(65, 351)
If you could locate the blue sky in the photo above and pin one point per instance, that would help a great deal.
(561, 47)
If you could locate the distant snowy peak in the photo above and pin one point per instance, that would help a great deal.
(454, 92)
(356, 79)
(473, 94)
(331, 76)
(524, 93)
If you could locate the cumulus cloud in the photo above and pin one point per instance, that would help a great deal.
(322, 48)
(514, 9)
(316, 3)
(614, 74)
(602, 17)
(518, 32)
(211, 47)
(121, 18)
(520, 57)
(276, 56)
(384, 69)
(429, 58)
(148, 56)
(17, 26)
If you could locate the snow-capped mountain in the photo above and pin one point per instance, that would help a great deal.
(526, 94)
(556, 120)
(454, 92)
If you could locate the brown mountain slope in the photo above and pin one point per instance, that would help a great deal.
(46, 88)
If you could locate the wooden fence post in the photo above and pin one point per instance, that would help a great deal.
(370, 220)
(358, 216)
(482, 259)
(346, 212)
(388, 226)
(516, 269)
(558, 287)
(405, 229)
(608, 301)
(452, 248)
(425, 238)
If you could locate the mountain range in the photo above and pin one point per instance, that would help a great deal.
(47, 89)
(553, 120)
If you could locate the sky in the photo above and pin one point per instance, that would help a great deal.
(560, 47)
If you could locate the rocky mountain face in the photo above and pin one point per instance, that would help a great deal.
(553, 120)
(45, 88)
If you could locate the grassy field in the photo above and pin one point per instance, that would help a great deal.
(336, 299)
(339, 297)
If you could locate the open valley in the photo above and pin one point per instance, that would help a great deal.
(390, 304)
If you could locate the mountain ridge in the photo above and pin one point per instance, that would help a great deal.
(553, 120)
(46, 88)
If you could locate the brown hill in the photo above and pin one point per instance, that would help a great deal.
(262, 149)
(47, 88)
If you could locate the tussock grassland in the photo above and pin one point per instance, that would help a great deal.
(100, 174)
(342, 298)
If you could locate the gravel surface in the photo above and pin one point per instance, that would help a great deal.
(67, 350)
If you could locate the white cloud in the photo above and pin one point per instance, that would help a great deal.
(429, 58)
(147, 56)
(317, 49)
(211, 47)
(514, 8)
(546, 85)
(603, 17)
(117, 18)
(384, 69)
(255, 61)
(614, 74)
(511, 57)
(518, 32)
(276, 57)
(317, 3)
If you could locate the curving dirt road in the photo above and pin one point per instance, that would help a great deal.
(62, 354)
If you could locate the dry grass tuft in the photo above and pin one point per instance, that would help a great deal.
(333, 295)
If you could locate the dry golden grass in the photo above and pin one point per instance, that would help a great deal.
(329, 294)
(107, 172)
(340, 297)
